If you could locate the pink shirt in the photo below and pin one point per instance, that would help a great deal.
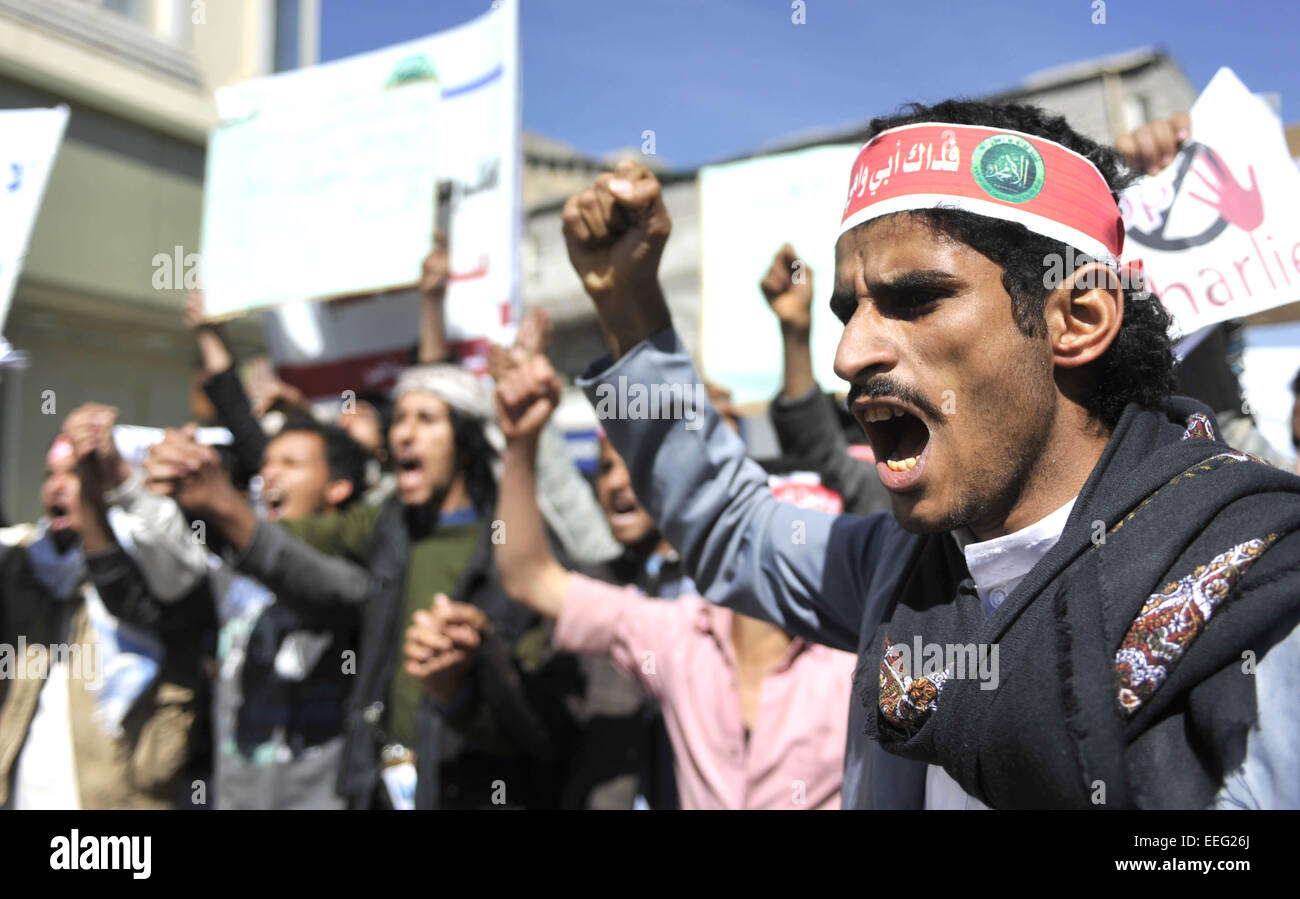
(680, 652)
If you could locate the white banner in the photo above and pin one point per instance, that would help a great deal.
(29, 142)
(1218, 231)
(324, 196)
(360, 343)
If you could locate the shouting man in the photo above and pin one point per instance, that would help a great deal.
(1083, 598)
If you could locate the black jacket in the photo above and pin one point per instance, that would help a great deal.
(1117, 687)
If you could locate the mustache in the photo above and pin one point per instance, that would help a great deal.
(883, 386)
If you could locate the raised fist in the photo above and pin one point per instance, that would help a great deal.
(788, 287)
(187, 471)
(616, 229)
(526, 396)
(1152, 147)
(89, 428)
(435, 273)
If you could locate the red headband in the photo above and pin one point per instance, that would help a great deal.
(1006, 175)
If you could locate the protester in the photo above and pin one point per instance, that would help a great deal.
(96, 712)
(806, 427)
(285, 660)
(737, 692)
(1060, 517)
(431, 539)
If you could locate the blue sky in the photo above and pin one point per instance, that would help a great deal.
(718, 78)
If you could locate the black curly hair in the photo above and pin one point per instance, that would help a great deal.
(1138, 366)
(475, 456)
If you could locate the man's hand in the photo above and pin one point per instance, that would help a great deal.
(187, 471)
(533, 338)
(435, 273)
(192, 474)
(615, 231)
(788, 287)
(1152, 147)
(212, 344)
(89, 429)
(268, 393)
(441, 645)
(535, 332)
(435, 276)
(526, 396)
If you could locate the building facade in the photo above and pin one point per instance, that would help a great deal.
(92, 310)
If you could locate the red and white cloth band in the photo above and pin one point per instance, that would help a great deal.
(1008, 175)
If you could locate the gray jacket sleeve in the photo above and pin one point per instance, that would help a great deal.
(810, 435)
(306, 580)
(805, 571)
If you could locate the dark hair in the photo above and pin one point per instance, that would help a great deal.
(475, 456)
(344, 457)
(1138, 365)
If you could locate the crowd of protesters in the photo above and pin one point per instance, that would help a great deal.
(418, 601)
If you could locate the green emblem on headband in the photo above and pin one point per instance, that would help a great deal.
(1008, 168)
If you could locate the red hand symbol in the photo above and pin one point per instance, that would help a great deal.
(1240, 206)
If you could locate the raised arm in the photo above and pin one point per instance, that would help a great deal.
(788, 289)
(526, 395)
(223, 388)
(156, 534)
(435, 274)
(805, 425)
(804, 571)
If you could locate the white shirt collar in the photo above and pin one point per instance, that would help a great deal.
(1000, 564)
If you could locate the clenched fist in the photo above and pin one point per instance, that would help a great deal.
(89, 429)
(435, 272)
(1152, 147)
(788, 288)
(615, 231)
(526, 395)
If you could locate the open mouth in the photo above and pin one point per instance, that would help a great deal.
(274, 499)
(60, 520)
(900, 440)
(623, 510)
(410, 474)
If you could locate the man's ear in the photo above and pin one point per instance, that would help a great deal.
(1084, 315)
(338, 491)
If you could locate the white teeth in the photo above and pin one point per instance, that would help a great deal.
(882, 413)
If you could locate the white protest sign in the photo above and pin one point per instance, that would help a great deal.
(29, 141)
(1218, 231)
(360, 343)
(329, 194)
(748, 209)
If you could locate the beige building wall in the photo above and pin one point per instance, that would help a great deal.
(127, 188)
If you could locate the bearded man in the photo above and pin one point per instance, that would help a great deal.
(1083, 597)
